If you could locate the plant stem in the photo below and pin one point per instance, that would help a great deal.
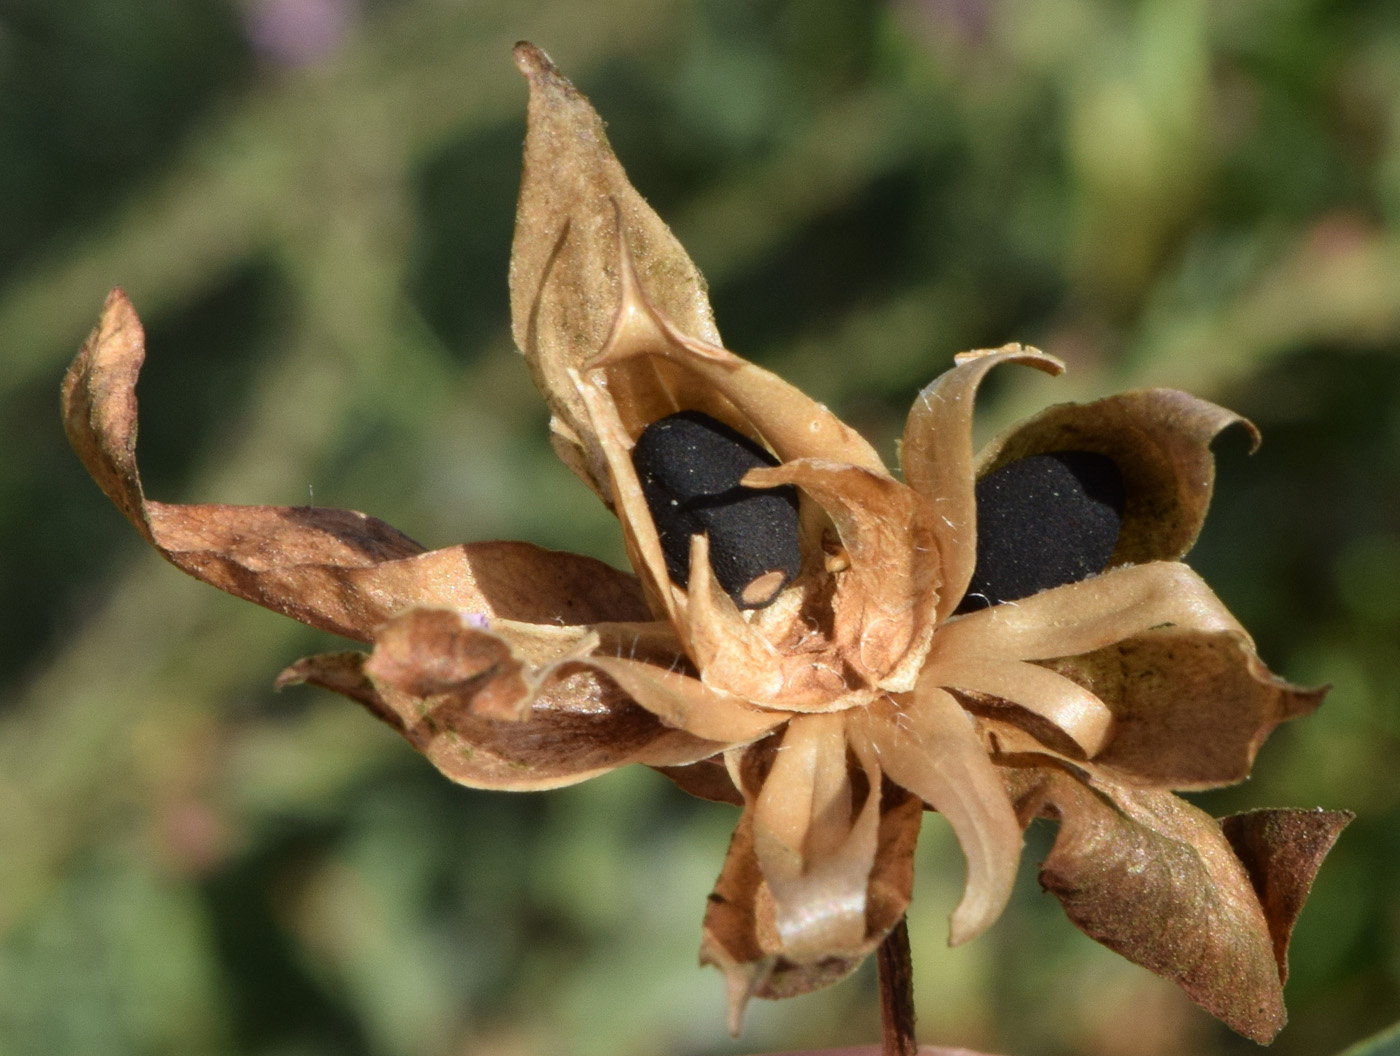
(897, 992)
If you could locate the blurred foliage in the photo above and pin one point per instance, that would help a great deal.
(310, 202)
(1386, 1043)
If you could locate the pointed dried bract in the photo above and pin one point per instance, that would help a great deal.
(1153, 878)
(834, 699)
(564, 272)
(1282, 851)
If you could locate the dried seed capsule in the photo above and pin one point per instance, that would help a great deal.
(690, 466)
(1043, 521)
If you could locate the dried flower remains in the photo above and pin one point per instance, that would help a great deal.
(998, 636)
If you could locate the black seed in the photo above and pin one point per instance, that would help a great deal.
(1043, 521)
(690, 466)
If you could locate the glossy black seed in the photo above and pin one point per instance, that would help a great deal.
(1043, 521)
(690, 466)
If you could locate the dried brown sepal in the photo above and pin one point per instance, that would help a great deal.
(580, 726)
(741, 936)
(1160, 439)
(439, 656)
(564, 281)
(1282, 851)
(707, 779)
(814, 842)
(1190, 708)
(335, 569)
(1154, 879)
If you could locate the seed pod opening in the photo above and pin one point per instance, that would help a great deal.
(1044, 521)
(690, 465)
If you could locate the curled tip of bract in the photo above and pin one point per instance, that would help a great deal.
(99, 406)
(1282, 851)
(532, 61)
(1027, 354)
(938, 458)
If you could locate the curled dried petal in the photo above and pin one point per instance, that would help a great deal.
(1075, 711)
(885, 601)
(1080, 617)
(741, 937)
(937, 458)
(734, 656)
(729, 651)
(814, 855)
(927, 744)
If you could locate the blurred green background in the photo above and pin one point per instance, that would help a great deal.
(310, 202)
